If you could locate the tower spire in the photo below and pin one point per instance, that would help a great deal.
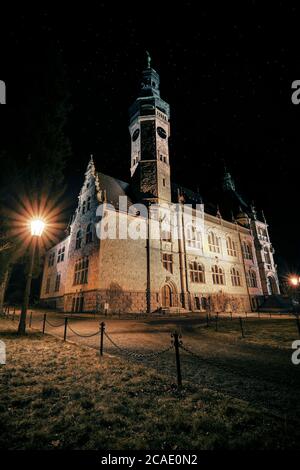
(148, 60)
(228, 183)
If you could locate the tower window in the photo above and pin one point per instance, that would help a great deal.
(83, 207)
(89, 234)
(167, 260)
(164, 182)
(88, 203)
(78, 240)
(166, 236)
(267, 255)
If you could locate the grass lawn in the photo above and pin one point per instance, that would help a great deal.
(271, 332)
(56, 395)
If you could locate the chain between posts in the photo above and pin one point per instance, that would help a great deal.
(134, 353)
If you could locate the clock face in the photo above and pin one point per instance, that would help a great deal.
(135, 135)
(161, 132)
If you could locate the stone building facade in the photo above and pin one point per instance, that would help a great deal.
(197, 260)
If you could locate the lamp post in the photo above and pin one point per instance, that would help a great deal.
(37, 227)
(295, 283)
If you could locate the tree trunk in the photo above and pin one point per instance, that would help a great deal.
(3, 286)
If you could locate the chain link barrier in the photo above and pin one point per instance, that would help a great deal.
(221, 366)
(83, 336)
(136, 354)
(53, 324)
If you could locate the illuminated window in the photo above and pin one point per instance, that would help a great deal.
(193, 237)
(235, 277)
(267, 255)
(81, 271)
(196, 272)
(251, 278)
(247, 251)
(231, 246)
(218, 275)
(213, 243)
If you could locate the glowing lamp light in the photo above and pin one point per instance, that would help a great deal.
(37, 227)
(294, 281)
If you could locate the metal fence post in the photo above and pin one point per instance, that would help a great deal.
(298, 324)
(66, 327)
(216, 318)
(177, 357)
(102, 329)
(44, 322)
(241, 325)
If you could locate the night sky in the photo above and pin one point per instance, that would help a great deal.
(226, 72)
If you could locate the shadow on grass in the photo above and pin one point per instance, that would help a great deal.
(8, 334)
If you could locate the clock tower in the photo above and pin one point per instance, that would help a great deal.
(149, 129)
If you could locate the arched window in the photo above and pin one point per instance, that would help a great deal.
(83, 207)
(267, 255)
(78, 240)
(197, 303)
(196, 272)
(88, 203)
(231, 246)
(57, 282)
(235, 277)
(61, 254)
(89, 234)
(247, 250)
(213, 243)
(193, 237)
(251, 278)
(218, 275)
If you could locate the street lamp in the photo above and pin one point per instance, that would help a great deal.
(37, 227)
(295, 283)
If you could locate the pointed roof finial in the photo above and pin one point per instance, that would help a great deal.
(148, 60)
(253, 210)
